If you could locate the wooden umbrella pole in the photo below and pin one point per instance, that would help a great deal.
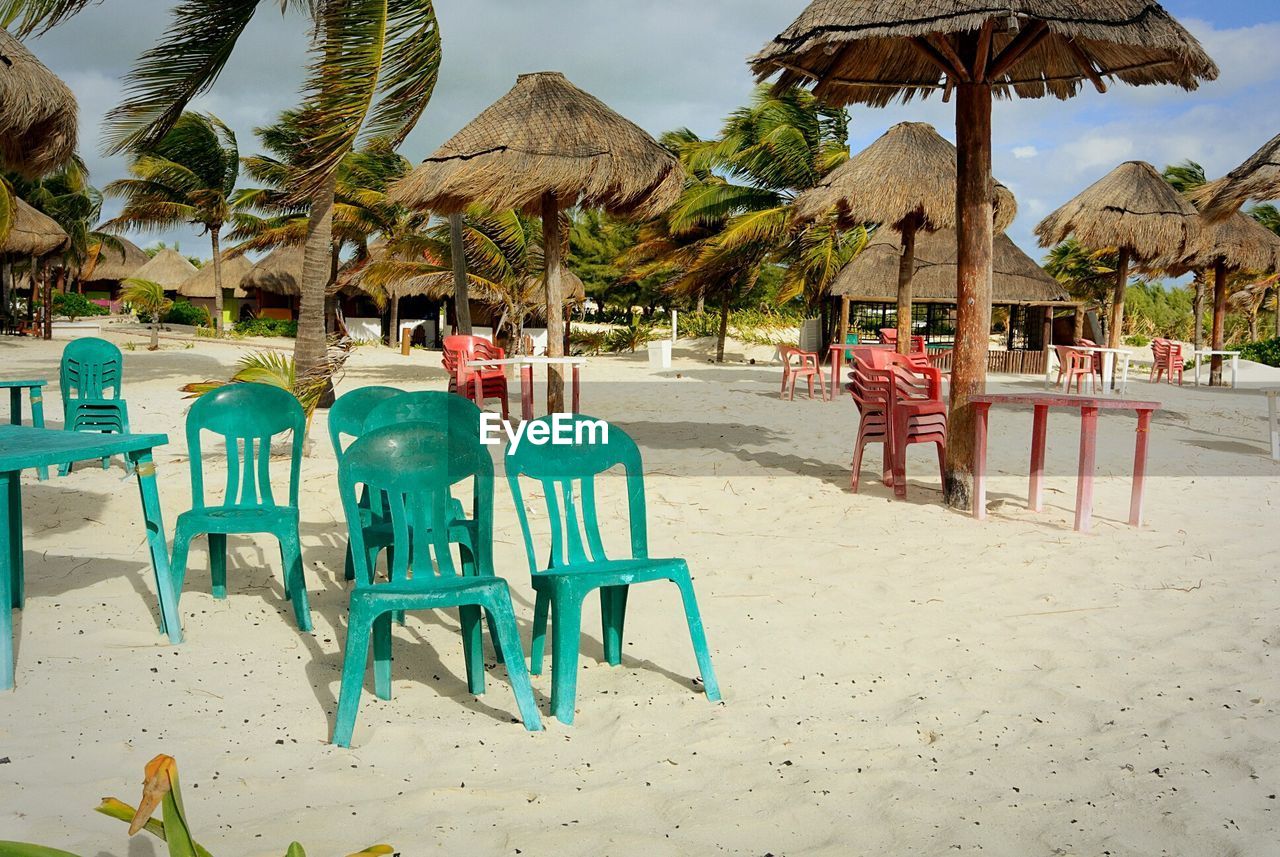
(906, 270)
(1115, 330)
(844, 318)
(975, 216)
(555, 301)
(1219, 322)
(461, 296)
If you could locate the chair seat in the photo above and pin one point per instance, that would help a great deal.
(425, 585)
(618, 572)
(233, 519)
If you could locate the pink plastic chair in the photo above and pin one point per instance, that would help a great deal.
(899, 404)
(1168, 360)
(458, 351)
(801, 364)
(1076, 366)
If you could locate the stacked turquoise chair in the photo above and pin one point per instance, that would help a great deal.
(91, 376)
(247, 417)
(567, 474)
(413, 466)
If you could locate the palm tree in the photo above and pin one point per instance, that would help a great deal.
(1269, 216)
(1087, 275)
(1186, 178)
(147, 298)
(375, 65)
(187, 177)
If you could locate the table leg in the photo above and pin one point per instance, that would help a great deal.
(1196, 359)
(837, 364)
(981, 413)
(1273, 406)
(166, 590)
(15, 406)
(526, 392)
(1124, 373)
(1139, 468)
(1235, 368)
(1108, 370)
(1039, 429)
(1088, 463)
(37, 420)
(10, 569)
(478, 385)
(577, 397)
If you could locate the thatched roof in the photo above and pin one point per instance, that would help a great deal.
(440, 285)
(200, 285)
(279, 272)
(169, 268)
(873, 275)
(1257, 178)
(38, 113)
(1240, 242)
(546, 135)
(110, 264)
(874, 51)
(1131, 208)
(33, 233)
(910, 170)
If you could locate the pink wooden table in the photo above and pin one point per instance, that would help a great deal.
(1088, 407)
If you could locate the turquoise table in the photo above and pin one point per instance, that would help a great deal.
(23, 447)
(35, 392)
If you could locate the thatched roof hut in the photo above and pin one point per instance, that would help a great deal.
(1238, 243)
(909, 172)
(201, 285)
(169, 268)
(1257, 178)
(38, 113)
(279, 272)
(873, 276)
(114, 265)
(32, 233)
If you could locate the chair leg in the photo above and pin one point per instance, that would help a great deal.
(295, 585)
(353, 663)
(698, 636)
(541, 605)
(613, 610)
(349, 565)
(468, 567)
(218, 563)
(382, 655)
(472, 647)
(178, 565)
(502, 617)
(566, 633)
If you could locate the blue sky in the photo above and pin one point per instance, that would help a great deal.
(671, 63)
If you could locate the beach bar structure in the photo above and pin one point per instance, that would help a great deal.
(1040, 312)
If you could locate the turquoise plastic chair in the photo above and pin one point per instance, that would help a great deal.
(90, 377)
(346, 419)
(413, 466)
(247, 417)
(576, 568)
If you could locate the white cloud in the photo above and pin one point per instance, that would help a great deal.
(1024, 153)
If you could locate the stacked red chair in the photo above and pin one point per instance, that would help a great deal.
(1168, 360)
(900, 403)
(459, 351)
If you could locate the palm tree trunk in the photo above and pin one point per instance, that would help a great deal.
(1219, 322)
(1115, 331)
(461, 295)
(724, 329)
(155, 332)
(215, 237)
(1253, 325)
(317, 267)
(1275, 296)
(906, 270)
(393, 335)
(1197, 312)
(555, 301)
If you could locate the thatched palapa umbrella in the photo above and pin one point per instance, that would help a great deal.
(543, 146)
(108, 263)
(38, 113)
(1133, 210)
(32, 233)
(876, 51)
(1229, 246)
(906, 180)
(1257, 178)
(169, 268)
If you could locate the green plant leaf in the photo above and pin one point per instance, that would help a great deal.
(22, 849)
(375, 851)
(295, 850)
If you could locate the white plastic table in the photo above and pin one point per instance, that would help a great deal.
(1208, 352)
(1108, 365)
(526, 365)
(1273, 418)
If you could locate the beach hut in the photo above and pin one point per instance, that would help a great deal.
(37, 112)
(199, 288)
(1134, 210)
(169, 268)
(905, 181)
(1040, 312)
(869, 52)
(1257, 178)
(542, 147)
(275, 283)
(32, 234)
(107, 267)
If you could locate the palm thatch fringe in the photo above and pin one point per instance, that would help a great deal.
(1240, 243)
(909, 172)
(108, 263)
(1130, 208)
(546, 136)
(873, 275)
(875, 51)
(1257, 178)
(279, 272)
(38, 113)
(169, 268)
(33, 233)
(201, 285)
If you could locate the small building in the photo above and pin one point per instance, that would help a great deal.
(169, 268)
(236, 302)
(108, 267)
(275, 283)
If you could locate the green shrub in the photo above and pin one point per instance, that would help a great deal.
(1139, 339)
(588, 342)
(266, 327)
(1265, 351)
(185, 312)
(630, 338)
(75, 306)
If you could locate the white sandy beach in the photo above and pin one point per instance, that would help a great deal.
(898, 678)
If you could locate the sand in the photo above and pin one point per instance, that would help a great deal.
(898, 678)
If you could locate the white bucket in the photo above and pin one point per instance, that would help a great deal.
(660, 354)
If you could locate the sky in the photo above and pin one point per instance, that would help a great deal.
(674, 63)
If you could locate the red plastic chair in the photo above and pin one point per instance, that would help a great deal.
(458, 351)
(1076, 366)
(1168, 360)
(806, 367)
(899, 405)
(889, 336)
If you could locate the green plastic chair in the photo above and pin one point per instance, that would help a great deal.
(413, 466)
(346, 419)
(90, 377)
(575, 568)
(247, 417)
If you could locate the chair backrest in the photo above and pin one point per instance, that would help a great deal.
(246, 416)
(446, 412)
(89, 368)
(1072, 359)
(791, 353)
(460, 349)
(413, 472)
(347, 413)
(913, 378)
(889, 335)
(567, 473)
(868, 384)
